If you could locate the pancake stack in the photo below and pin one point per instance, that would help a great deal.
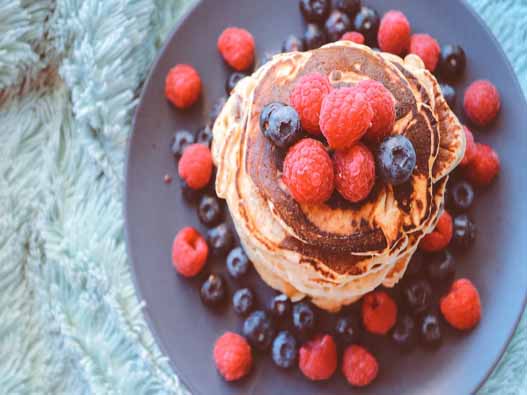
(336, 252)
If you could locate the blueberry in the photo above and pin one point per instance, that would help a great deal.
(349, 7)
(280, 306)
(281, 125)
(337, 24)
(180, 141)
(415, 267)
(430, 330)
(204, 135)
(464, 232)
(418, 295)
(220, 239)
(210, 211)
(315, 11)
(314, 37)
(441, 268)
(396, 159)
(238, 263)
(285, 350)
(190, 195)
(303, 318)
(453, 62)
(450, 95)
(216, 109)
(292, 44)
(232, 81)
(367, 22)
(243, 301)
(258, 329)
(347, 330)
(213, 290)
(405, 332)
(460, 196)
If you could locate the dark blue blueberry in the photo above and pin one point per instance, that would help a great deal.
(315, 11)
(232, 81)
(460, 196)
(304, 318)
(238, 263)
(464, 232)
(181, 140)
(190, 195)
(430, 330)
(337, 24)
(452, 63)
(285, 350)
(347, 330)
(258, 329)
(349, 7)
(396, 159)
(281, 124)
(204, 135)
(280, 306)
(314, 37)
(210, 211)
(367, 22)
(449, 93)
(243, 301)
(441, 268)
(292, 44)
(405, 332)
(216, 109)
(213, 290)
(417, 295)
(220, 239)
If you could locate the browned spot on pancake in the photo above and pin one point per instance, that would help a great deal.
(419, 204)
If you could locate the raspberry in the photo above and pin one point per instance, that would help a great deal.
(183, 86)
(439, 239)
(237, 48)
(307, 98)
(484, 167)
(354, 172)
(232, 355)
(461, 307)
(379, 312)
(189, 252)
(318, 358)
(470, 150)
(195, 166)
(383, 106)
(427, 48)
(345, 117)
(482, 102)
(308, 172)
(394, 33)
(355, 37)
(359, 366)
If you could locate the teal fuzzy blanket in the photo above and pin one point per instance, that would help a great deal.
(70, 74)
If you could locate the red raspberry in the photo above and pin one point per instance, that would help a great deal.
(345, 117)
(318, 358)
(383, 106)
(233, 356)
(482, 102)
(183, 86)
(195, 166)
(237, 48)
(439, 239)
(379, 312)
(308, 172)
(470, 150)
(354, 172)
(307, 98)
(189, 252)
(355, 37)
(427, 48)
(484, 167)
(461, 307)
(394, 33)
(359, 366)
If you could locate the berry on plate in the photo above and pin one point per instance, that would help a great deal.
(213, 290)
(470, 150)
(220, 239)
(204, 135)
(314, 37)
(450, 95)
(318, 358)
(427, 48)
(359, 366)
(190, 195)
(345, 117)
(243, 301)
(258, 329)
(453, 62)
(464, 232)
(306, 98)
(183, 86)
(441, 268)
(337, 24)
(417, 295)
(308, 172)
(237, 47)
(354, 172)
(430, 330)
(355, 37)
(367, 23)
(232, 81)
(280, 306)
(461, 307)
(233, 356)
(284, 350)
(181, 140)
(482, 102)
(484, 167)
(304, 319)
(210, 212)
(396, 159)
(404, 333)
(292, 44)
(189, 252)
(349, 7)
(347, 329)
(280, 124)
(315, 11)
(195, 166)
(394, 33)
(460, 196)
(440, 238)
(379, 312)
(238, 263)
